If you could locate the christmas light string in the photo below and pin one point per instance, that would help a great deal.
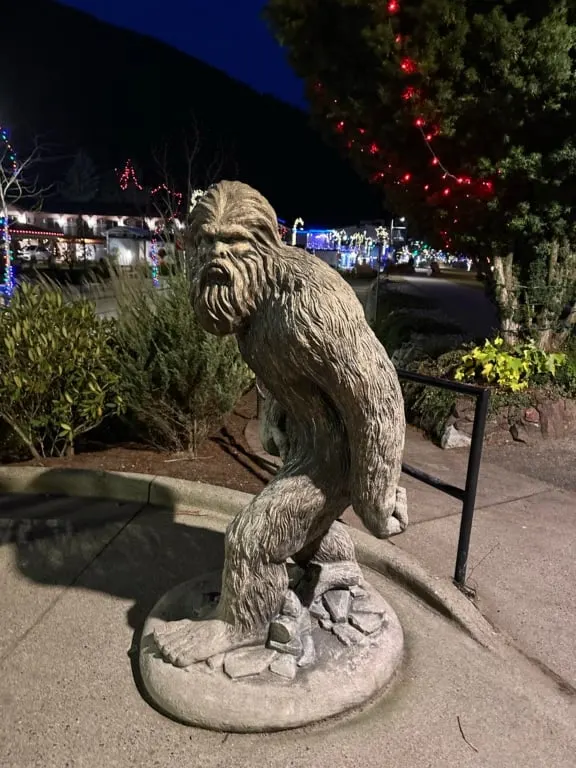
(170, 193)
(409, 66)
(8, 152)
(483, 188)
(154, 259)
(128, 176)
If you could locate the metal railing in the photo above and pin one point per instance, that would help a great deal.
(466, 495)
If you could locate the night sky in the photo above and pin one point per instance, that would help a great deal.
(228, 34)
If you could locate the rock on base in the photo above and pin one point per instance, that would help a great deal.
(339, 678)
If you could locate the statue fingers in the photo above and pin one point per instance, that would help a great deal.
(401, 508)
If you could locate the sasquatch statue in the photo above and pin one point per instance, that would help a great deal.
(334, 397)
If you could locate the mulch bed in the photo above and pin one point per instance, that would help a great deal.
(223, 459)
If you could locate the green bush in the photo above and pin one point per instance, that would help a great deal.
(566, 375)
(509, 368)
(57, 377)
(429, 408)
(179, 381)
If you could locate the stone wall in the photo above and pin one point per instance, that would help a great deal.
(546, 419)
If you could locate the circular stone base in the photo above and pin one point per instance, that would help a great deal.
(256, 699)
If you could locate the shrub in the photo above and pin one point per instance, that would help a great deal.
(57, 378)
(429, 408)
(179, 380)
(509, 368)
(566, 375)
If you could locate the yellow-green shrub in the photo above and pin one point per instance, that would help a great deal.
(509, 368)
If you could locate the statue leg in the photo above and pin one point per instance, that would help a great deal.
(276, 525)
(330, 562)
(335, 545)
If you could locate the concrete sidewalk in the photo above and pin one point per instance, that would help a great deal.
(79, 577)
(522, 560)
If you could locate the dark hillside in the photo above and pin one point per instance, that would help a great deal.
(81, 83)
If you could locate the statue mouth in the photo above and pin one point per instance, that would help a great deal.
(215, 274)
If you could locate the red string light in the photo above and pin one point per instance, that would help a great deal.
(170, 193)
(408, 66)
(411, 95)
(128, 176)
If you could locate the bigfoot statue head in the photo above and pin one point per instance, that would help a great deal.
(234, 232)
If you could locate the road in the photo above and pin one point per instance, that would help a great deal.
(467, 306)
(362, 289)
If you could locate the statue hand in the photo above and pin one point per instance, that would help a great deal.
(380, 520)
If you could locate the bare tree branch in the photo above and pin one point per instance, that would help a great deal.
(17, 183)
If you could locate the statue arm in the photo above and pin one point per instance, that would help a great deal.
(363, 385)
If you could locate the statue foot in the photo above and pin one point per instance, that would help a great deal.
(186, 642)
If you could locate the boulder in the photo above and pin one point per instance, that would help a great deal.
(464, 426)
(291, 648)
(570, 414)
(367, 623)
(337, 601)
(347, 634)
(284, 666)
(552, 418)
(532, 416)
(464, 408)
(453, 438)
(520, 433)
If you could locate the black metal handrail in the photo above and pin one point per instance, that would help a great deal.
(466, 495)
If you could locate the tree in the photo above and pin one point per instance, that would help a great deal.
(16, 183)
(81, 182)
(463, 112)
(180, 166)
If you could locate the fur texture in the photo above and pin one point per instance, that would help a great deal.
(303, 332)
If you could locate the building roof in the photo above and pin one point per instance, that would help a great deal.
(95, 208)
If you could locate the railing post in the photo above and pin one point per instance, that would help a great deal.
(469, 503)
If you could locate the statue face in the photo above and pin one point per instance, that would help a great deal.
(221, 280)
(235, 233)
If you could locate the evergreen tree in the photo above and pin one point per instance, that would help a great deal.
(463, 111)
(81, 182)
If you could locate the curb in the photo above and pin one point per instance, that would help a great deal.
(381, 556)
(123, 486)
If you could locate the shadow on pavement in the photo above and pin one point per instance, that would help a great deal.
(128, 550)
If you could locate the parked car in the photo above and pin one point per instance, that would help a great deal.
(34, 253)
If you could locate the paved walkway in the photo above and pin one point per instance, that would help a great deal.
(78, 578)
